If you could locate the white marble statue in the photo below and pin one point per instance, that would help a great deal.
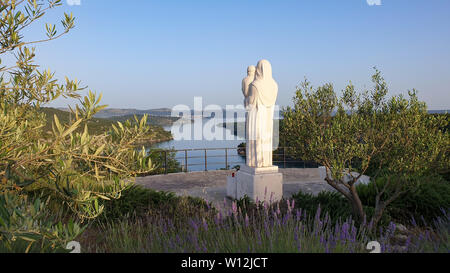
(262, 95)
(258, 179)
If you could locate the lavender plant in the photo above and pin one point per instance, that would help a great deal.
(267, 229)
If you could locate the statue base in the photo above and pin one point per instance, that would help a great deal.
(259, 184)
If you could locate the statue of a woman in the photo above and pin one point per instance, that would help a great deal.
(263, 93)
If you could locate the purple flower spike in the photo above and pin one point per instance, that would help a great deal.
(205, 224)
(234, 207)
(344, 231)
(194, 225)
(317, 218)
(217, 219)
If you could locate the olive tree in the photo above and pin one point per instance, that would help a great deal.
(357, 132)
(81, 169)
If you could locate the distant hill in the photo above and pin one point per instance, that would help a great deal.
(113, 112)
(95, 125)
(101, 125)
(159, 117)
(161, 112)
(152, 120)
(438, 111)
(167, 112)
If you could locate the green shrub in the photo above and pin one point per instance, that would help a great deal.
(426, 199)
(331, 202)
(27, 226)
(135, 200)
(161, 157)
(138, 201)
(245, 203)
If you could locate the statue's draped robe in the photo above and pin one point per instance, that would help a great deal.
(263, 93)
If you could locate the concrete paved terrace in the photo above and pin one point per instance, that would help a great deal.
(211, 185)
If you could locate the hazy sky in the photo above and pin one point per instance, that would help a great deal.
(148, 54)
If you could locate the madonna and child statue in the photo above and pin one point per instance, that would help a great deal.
(258, 179)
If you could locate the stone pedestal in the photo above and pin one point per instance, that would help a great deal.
(262, 184)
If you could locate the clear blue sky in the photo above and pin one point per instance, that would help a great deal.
(146, 54)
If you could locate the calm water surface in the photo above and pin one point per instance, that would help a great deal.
(216, 159)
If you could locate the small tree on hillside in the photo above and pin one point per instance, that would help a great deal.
(356, 132)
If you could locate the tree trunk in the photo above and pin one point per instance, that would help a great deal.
(356, 204)
(352, 196)
(378, 214)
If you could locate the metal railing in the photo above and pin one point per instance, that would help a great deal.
(172, 161)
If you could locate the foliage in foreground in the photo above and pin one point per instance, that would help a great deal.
(79, 169)
(261, 230)
(27, 226)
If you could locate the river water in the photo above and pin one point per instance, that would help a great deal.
(197, 136)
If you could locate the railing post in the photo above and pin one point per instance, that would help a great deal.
(206, 162)
(226, 159)
(185, 160)
(284, 157)
(165, 162)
